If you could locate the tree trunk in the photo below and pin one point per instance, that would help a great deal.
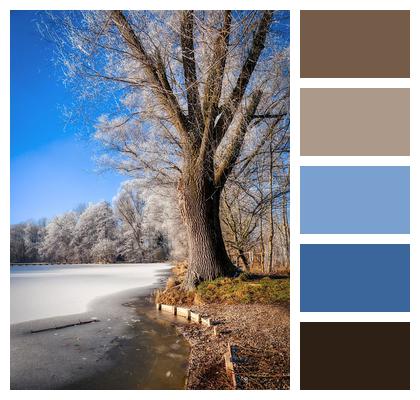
(271, 220)
(262, 246)
(286, 232)
(208, 258)
(244, 260)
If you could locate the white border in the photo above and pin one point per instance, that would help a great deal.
(411, 161)
(296, 238)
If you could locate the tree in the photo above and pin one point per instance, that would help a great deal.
(95, 224)
(57, 245)
(33, 237)
(129, 209)
(252, 202)
(25, 241)
(195, 84)
(162, 215)
(151, 229)
(104, 251)
(17, 243)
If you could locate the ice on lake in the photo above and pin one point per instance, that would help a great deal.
(41, 291)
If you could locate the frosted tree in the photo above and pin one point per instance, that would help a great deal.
(96, 223)
(33, 236)
(17, 243)
(255, 202)
(25, 241)
(58, 241)
(151, 227)
(129, 209)
(191, 87)
(104, 251)
(162, 214)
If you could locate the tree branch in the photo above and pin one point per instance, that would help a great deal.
(195, 115)
(213, 88)
(268, 134)
(235, 146)
(155, 72)
(228, 109)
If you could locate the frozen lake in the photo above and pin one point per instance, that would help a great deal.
(41, 291)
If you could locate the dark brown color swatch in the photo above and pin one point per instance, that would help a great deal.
(355, 44)
(355, 355)
(355, 122)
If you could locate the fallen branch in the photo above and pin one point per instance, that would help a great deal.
(65, 326)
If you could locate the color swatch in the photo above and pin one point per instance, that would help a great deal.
(355, 44)
(354, 278)
(367, 119)
(355, 200)
(355, 355)
(355, 122)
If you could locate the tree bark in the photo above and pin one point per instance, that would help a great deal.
(208, 258)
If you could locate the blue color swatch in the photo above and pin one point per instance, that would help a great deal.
(355, 200)
(361, 277)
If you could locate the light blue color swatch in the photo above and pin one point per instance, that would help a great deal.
(355, 200)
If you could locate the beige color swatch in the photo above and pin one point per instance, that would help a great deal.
(355, 122)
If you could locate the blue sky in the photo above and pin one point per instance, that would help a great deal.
(51, 169)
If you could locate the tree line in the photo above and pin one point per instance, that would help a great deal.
(144, 224)
(99, 233)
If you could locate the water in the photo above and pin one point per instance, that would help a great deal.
(43, 291)
(131, 347)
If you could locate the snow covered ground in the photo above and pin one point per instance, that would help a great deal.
(56, 290)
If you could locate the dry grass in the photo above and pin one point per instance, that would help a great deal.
(245, 289)
(175, 296)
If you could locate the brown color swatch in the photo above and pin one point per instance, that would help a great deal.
(355, 44)
(355, 122)
(355, 355)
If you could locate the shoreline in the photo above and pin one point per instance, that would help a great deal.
(175, 353)
(266, 345)
(260, 332)
(125, 350)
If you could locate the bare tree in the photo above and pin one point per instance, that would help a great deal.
(129, 209)
(255, 204)
(193, 86)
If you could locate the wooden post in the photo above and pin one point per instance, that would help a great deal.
(168, 308)
(183, 312)
(229, 365)
(158, 306)
(195, 317)
(206, 321)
